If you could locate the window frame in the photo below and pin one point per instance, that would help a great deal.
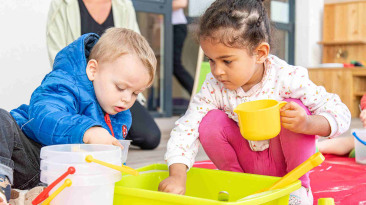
(290, 29)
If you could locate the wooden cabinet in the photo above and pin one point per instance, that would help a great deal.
(344, 32)
(344, 40)
(348, 83)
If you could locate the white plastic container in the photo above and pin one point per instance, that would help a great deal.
(360, 147)
(85, 189)
(80, 168)
(76, 153)
(92, 184)
(126, 145)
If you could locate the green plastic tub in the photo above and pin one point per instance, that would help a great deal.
(203, 187)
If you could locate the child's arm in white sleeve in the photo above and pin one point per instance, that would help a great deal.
(183, 144)
(318, 101)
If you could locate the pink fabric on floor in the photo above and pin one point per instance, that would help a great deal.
(338, 177)
(341, 178)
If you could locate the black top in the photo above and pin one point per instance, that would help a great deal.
(89, 25)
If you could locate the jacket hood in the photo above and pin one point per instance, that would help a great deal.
(74, 58)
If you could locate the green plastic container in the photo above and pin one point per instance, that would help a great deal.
(203, 187)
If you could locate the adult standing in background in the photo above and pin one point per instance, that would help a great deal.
(179, 22)
(69, 19)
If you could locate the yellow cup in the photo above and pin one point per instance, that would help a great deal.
(259, 119)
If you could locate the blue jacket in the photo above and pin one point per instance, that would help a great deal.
(64, 106)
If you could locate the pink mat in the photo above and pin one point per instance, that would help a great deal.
(337, 177)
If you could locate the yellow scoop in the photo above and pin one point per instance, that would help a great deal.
(313, 161)
(122, 168)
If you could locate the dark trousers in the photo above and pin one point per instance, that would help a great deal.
(19, 155)
(182, 75)
(144, 132)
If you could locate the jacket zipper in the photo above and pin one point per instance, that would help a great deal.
(108, 121)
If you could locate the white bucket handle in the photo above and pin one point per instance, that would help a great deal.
(359, 139)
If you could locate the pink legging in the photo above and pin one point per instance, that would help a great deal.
(221, 139)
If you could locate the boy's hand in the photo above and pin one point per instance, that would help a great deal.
(176, 182)
(99, 135)
(294, 118)
(363, 117)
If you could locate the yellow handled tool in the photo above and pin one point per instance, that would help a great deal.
(313, 161)
(66, 183)
(122, 168)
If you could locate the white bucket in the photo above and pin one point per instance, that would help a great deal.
(92, 184)
(76, 153)
(85, 189)
(360, 145)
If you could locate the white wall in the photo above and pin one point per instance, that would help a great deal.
(198, 7)
(309, 22)
(23, 55)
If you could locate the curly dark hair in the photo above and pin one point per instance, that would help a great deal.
(236, 23)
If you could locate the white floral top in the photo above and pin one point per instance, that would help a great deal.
(280, 81)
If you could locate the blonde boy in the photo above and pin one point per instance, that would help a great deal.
(85, 99)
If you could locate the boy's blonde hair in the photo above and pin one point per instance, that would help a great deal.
(116, 42)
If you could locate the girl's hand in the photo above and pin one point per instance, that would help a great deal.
(99, 135)
(173, 184)
(294, 118)
(363, 117)
(176, 182)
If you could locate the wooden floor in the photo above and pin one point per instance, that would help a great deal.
(138, 158)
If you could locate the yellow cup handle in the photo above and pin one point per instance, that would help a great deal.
(66, 183)
(282, 103)
(122, 168)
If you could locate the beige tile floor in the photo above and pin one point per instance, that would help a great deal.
(138, 158)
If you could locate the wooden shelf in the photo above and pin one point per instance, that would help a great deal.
(356, 71)
(342, 2)
(349, 84)
(332, 43)
(359, 93)
(344, 40)
(360, 72)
